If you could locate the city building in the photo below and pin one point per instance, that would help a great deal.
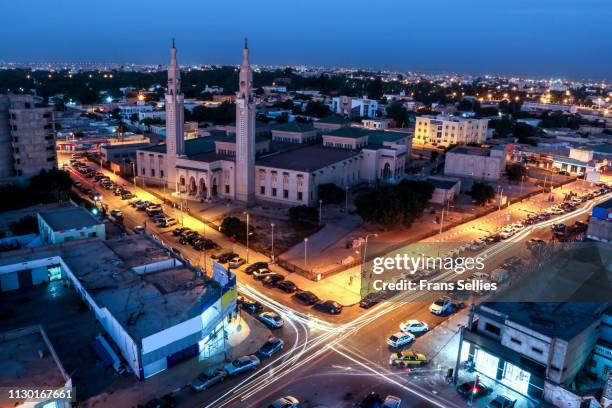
(536, 349)
(244, 164)
(68, 223)
(475, 162)
(449, 130)
(600, 223)
(351, 107)
(27, 137)
(446, 189)
(377, 124)
(154, 310)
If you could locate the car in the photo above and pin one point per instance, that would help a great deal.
(116, 214)
(473, 389)
(407, 359)
(139, 229)
(306, 297)
(370, 300)
(202, 243)
(226, 257)
(477, 245)
(190, 238)
(391, 401)
(507, 234)
(272, 280)
(271, 319)
(287, 286)
(400, 339)
(262, 273)
(118, 191)
(271, 346)
(242, 364)
(329, 307)
(285, 402)
(413, 326)
(502, 401)
(206, 380)
(168, 222)
(166, 401)
(96, 196)
(158, 217)
(251, 306)
(441, 306)
(127, 195)
(491, 239)
(179, 230)
(256, 266)
(236, 262)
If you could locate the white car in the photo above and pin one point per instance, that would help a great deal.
(286, 402)
(392, 402)
(413, 326)
(400, 339)
(441, 306)
(241, 364)
(271, 319)
(507, 234)
(477, 245)
(236, 262)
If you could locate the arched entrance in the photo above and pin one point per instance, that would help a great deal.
(386, 171)
(203, 190)
(192, 186)
(214, 187)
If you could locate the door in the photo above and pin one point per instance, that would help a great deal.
(25, 278)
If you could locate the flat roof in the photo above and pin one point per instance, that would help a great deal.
(444, 184)
(471, 150)
(564, 320)
(308, 158)
(67, 218)
(294, 127)
(192, 146)
(21, 365)
(575, 162)
(375, 137)
(143, 303)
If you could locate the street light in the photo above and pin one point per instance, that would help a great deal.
(320, 212)
(272, 255)
(134, 174)
(247, 235)
(306, 253)
(346, 199)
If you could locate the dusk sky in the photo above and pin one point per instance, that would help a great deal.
(567, 38)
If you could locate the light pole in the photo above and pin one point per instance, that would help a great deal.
(522, 179)
(500, 192)
(346, 199)
(247, 235)
(134, 174)
(272, 255)
(320, 212)
(306, 253)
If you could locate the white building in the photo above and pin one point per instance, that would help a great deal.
(449, 130)
(475, 162)
(245, 165)
(350, 106)
(127, 110)
(376, 124)
(68, 223)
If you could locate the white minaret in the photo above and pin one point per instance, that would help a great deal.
(175, 139)
(245, 132)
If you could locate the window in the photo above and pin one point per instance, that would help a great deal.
(161, 173)
(262, 190)
(492, 329)
(274, 192)
(516, 341)
(537, 350)
(227, 189)
(152, 172)
(143, 171)
(299, 196)
(286, 193)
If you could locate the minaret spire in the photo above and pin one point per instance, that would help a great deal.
(174, 103)
(245, 132)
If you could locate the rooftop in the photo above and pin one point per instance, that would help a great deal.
(118, 278)
(375, 137)
(294, 127)
(444, 184)
(66, 218)
(574, 162)
(606, 204)
(308, 158)
(471, 150)
(335, 119)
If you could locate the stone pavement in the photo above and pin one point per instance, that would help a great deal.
(246, 336)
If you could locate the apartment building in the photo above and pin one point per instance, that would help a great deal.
(444, 130)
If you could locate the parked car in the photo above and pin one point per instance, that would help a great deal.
(502, 401)
(413, 326)
(242, 364)
(127, 195)
(391, 401)
(226, 257)
(116, 214)
(236, 262)
(270, 347)
(272, 280)
(285, 402)
(287, 286)
(262, 273)
(329, 306)
(251, 306)
(372, 400)
(306, 297)
(271, 319)
(400, 339)
(168, 222)
(407, 359)
(166, 401)
(139, 229)
(441, 306)
(471, 389)
(178, 231)
(370, 300)
(207, 380)
(256, 266)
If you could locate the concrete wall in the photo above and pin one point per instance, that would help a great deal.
(473, 166)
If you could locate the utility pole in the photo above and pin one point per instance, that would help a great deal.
(306, 253)
(320, 212)
(247, 236)
(272, 255)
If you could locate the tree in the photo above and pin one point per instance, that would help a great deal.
(525, 133)
(317, 109)
(394, 205)
(304, 215)
(516, 171)
(134, 117)
(25, 225)
(482, 192)
(234, 227)
(398, 113)
(331, 193)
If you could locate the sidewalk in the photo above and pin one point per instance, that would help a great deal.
(246, 336)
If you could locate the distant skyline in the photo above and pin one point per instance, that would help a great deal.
(544, 38)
